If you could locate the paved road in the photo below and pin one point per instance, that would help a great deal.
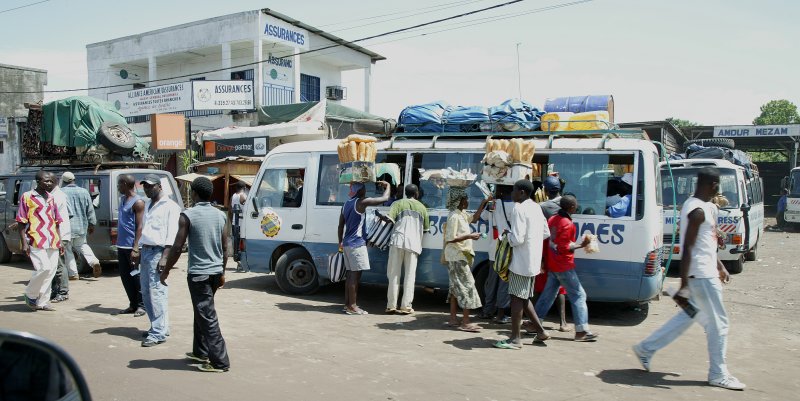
(303, 348)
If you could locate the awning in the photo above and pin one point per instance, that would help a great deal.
(193, 176)
(247, 179)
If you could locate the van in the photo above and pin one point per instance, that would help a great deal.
(741, 221)
(293, 235)
(792, 185)
(101, 184)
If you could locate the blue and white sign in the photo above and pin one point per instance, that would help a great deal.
(751, 131)
(278, 31)
(279, 70)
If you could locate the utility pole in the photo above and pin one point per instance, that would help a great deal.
(519, 74)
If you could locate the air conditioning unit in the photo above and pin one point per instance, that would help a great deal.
(335, 93)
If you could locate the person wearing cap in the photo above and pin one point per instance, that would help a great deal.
(352, 233)
(552, 188)
(59, 287)
(130, 222)
(161, 216)
(82, 220)
(623, 207)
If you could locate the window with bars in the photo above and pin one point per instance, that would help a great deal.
(309, 88)
(246, 75)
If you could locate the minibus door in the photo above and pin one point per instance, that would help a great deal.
(276, 207)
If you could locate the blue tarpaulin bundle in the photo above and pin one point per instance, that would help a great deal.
(511, 115)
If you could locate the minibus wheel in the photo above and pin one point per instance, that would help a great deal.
(295, 273)
(734, 266)
(753, 254)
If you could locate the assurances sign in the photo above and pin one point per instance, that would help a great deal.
(184, 96)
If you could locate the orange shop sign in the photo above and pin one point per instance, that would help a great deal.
(168, 131)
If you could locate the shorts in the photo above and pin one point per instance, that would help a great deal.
(520, 286)
(356, 258)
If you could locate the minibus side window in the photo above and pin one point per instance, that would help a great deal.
(329, 191)
(435, 191)
(595, 179)
(280, 188)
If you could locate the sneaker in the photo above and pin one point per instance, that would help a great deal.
(643, 359)
(74, 278)
(30, 302)
(97, 270)
(405, 311)
(728, 382)
(207, 367)
(46, 308)
(390, 311)
(152, 343)
(60, 298)
(139, 312)
(192, 356)
(504, 320)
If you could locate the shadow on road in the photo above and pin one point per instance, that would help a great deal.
(96, 308)
(15, 308)
(255, 283)
(161, 364)
(637, 377)
(468, 344)
(19, 298)
(300, 307)
(134, 333)
(21, 282)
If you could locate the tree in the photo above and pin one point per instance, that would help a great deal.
(680, 124)
(778, 112)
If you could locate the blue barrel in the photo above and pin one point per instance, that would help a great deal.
(580, 104)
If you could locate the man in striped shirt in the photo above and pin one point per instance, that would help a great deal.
(38, 220)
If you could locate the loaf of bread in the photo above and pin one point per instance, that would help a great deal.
(361, 138)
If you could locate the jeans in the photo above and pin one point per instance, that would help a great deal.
(132, 284)
(207, 341)
(397, 259)
(706, 296)
(495, 293)
(154, 294)
(577, 297)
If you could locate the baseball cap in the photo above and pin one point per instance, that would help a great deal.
(627, 178)
(67, 177)
(151, 179)
(552, 184)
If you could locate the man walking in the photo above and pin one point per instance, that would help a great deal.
(158, 234)
(495, 290)
(551, 206)
(208, 232)
(351, 240)
(130, 222)
(38, 220)
(410, 219)
(528, 232)
(561, 269)
(82, 220)
(702, 276)
(60, 285)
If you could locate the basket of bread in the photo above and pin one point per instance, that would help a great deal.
(507, 160)
(357, 159)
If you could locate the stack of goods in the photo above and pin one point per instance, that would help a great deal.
(507, 161)
(453, 178)
(511, 115)
(566, 121)
(357, 159)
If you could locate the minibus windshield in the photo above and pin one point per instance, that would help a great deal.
(686, 180)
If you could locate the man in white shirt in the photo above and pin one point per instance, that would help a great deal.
(161, 216)
(240, 196)
(526, 236)
(495, 290)
(60, 284)
(702, 276)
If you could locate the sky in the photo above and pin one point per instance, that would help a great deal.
(714, 62)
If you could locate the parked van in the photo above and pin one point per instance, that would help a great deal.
(293, 235)
(792, 184)
(741, 221)
(101, 184)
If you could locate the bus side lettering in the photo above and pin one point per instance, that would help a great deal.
(605, 232)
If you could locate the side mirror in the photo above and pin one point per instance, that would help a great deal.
(34, 368)
(254, 214)
(785, 182)
(745, 207)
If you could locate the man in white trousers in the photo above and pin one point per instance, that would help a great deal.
(38, 220)
(410, 219)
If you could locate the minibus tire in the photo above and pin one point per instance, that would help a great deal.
(734, 266)
(117, 138)
(718, 142)
(753, 254)
(370, 126)
(293, 266)
(5, 253)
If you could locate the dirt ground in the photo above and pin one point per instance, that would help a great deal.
(302, 348)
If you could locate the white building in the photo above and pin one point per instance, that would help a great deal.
(224, 48)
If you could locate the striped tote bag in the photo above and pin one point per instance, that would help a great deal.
(502, 257)
(336, 269)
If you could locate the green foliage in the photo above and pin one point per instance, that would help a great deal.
(680, 123)
(766, 157)
(778, 112)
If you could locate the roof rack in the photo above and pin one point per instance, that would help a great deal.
(90, 166)
(550, 135)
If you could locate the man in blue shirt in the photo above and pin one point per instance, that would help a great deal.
(623, 207)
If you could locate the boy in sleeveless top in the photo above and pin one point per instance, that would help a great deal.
(129, 231)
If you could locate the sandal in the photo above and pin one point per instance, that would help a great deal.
(587, 338)
(540, 338)
(472, 328)
(356, 311)
(505, 344)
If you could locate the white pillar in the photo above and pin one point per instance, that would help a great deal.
(367, 87)
(152, 70)
(258, 55)
(226, 60)
(296, 63)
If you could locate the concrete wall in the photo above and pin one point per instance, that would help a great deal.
(22, 79)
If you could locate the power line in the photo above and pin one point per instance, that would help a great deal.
(459, 4)
(393, 32)
(23, 6)
(392, 13)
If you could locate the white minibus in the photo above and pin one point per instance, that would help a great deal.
(292, 212)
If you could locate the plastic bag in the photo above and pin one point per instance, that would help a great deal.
(593, 246)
